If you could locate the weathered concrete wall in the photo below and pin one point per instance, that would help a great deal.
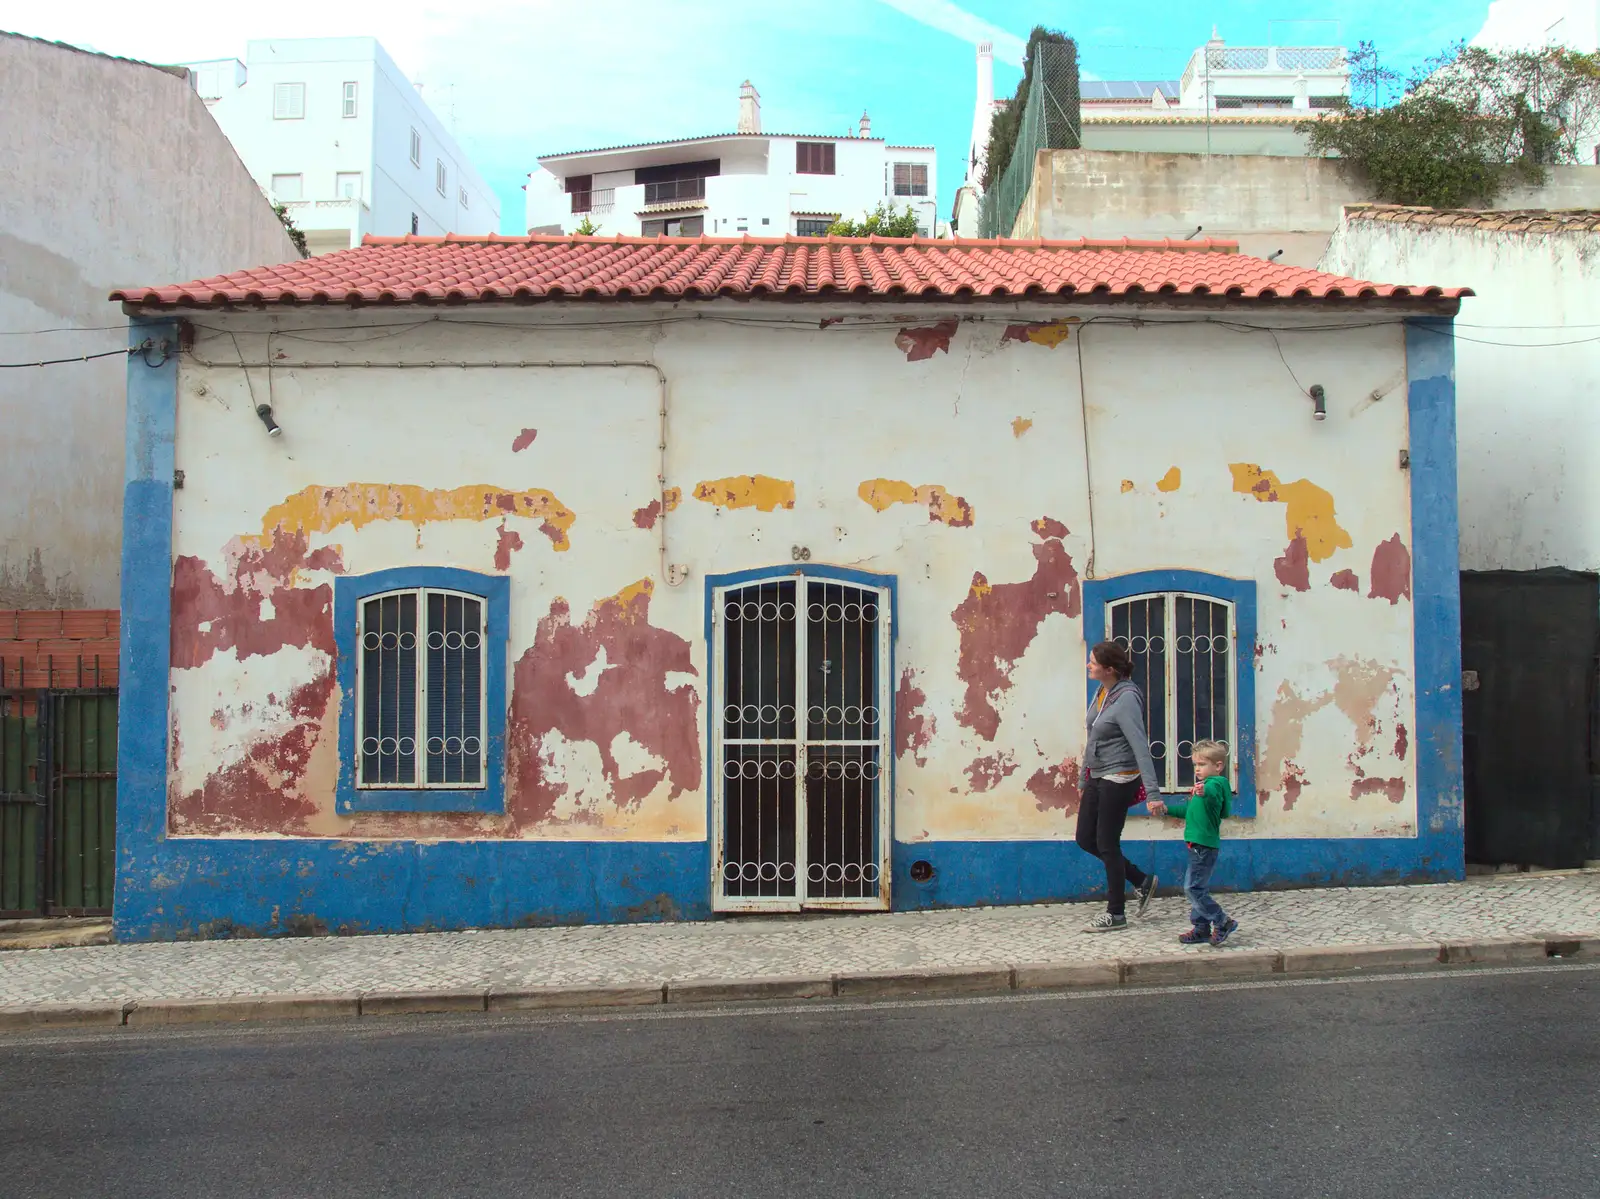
(1189, 135)
(115, 175)
(1266, 203)
(1529, 390)
(1201, 452)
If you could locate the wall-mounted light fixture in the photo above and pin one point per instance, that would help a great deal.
(1319, 403)
(1274, 256)
(264, 411)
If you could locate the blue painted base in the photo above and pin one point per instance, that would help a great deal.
(205, 888)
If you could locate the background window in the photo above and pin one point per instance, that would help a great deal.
(288, 101)
(288, 187)
(813, 158)
(349, 99)
(463, 197)
(416, 148)
(439, 175)
(347, 185)
(812, 226)
(910, 178)
(688, 226)
(413, 222)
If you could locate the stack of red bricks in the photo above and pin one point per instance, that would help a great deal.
(62, 650)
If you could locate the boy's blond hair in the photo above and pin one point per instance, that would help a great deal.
(1211, 751)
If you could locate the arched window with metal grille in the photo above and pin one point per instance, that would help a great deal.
(1192, 639)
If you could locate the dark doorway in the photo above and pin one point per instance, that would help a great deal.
(1528, 653)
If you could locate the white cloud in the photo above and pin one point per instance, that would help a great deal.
(958, 22)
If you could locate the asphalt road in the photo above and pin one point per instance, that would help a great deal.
(1472, 1084)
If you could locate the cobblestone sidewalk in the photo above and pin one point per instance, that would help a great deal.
(1499, 906)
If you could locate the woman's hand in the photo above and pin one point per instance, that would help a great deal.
(1157, 807)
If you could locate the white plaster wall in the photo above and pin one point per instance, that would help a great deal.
(116, 176)
(996, 422)
(1528, 407)
(376, 141)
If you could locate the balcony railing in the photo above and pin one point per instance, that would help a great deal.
(1274, 58)
(674, 190)
(601, 200)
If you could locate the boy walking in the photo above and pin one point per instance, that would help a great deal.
(1202, 830)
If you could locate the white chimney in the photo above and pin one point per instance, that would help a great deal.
(749, 108)
(982, 114)
(866, 124)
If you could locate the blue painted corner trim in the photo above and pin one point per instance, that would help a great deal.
(1241, 593)
(348, 592)
(1436, 587)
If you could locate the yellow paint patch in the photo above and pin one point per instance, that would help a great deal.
(761, 492)
(1046, 333)
(1020, 426)
(317, 509)
(1171, 481)
(623, 600)
(942, 507)
(1308, 508)
(672, 496)
(1127, 486)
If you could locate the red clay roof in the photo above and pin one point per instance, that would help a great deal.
(456, 269)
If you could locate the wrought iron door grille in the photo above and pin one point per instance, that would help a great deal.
(1183, 661)
(801, 755)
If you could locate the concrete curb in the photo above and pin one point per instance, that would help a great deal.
(1198, 966)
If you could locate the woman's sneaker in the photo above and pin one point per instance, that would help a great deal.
(1143, 893)
(1198, 935)
(1105, 922)
(1224, 930)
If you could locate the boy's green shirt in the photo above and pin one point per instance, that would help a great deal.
(1203, 813)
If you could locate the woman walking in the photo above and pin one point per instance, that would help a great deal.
(1115, 761)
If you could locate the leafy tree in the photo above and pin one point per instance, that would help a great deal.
(296, 235)
(1007, 123)
(586, 227)
(882, 221)
(1470, 123)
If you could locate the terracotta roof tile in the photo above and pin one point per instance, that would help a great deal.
(1518, 220)
(452, 269)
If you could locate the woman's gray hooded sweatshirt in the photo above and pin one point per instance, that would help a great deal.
(1117, 740)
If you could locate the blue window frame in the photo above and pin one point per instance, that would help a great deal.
(1192, 636)
(422, 676)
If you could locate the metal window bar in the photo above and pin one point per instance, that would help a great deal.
(421, 679)
(1182, 647)
(674, 189)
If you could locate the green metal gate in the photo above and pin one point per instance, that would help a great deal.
(58, 802)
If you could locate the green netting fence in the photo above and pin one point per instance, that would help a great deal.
(1051, 120)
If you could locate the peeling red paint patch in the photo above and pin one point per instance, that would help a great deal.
(523, 440)
(258, 793)
(913, 729)
(1402, 742)
(645, 518)
(998, 623)
(1294, 779)
(631, 696)
(1056, 787)
(509, 541)
(919, 344)
(1346, 580)
(829, 320)
(1294, 568)
(1049, 526)
(1391, 571)
(210, 615)
(984, 774)
(1393, 789)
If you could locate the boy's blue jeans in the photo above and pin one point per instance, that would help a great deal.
(1204, 911)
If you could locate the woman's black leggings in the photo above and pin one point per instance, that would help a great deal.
(1101, 815)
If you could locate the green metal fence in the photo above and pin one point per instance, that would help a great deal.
(58, 802)
(1051, 120)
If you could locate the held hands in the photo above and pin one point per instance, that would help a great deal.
(1156, 807)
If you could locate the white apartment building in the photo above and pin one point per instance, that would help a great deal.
(332, 129)
(1534, 24)
(731, 184)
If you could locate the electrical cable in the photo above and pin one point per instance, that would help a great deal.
(124, 352)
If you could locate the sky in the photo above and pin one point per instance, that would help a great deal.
(514, 79)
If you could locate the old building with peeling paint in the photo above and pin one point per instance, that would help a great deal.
(475, 582)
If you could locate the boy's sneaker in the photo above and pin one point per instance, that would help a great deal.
(1223, 931)
(1144, 893)
(1105, 922)
(1198, 935)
